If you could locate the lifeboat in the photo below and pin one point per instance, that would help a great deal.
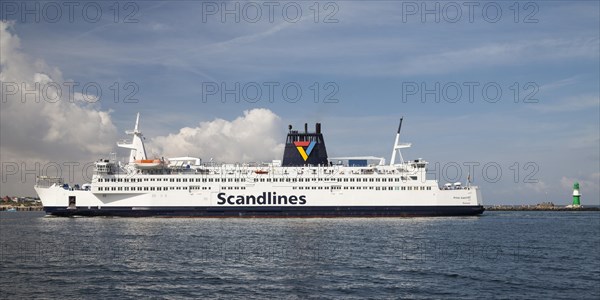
(145, 164)
(261, 172)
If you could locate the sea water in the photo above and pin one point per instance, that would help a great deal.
(496, 255)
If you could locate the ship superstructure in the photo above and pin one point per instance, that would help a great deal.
(306, 183)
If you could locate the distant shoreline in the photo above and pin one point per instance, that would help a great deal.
(487, 208)
(539, 208)
(22, 208)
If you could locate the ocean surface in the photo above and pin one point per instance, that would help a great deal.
(502, 255)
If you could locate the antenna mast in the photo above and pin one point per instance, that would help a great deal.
(397, 147)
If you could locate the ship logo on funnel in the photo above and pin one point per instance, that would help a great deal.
(309, 147)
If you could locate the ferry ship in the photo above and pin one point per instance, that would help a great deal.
(305, 183)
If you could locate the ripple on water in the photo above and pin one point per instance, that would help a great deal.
(499, 255)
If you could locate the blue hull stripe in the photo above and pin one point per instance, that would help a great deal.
(270, 211)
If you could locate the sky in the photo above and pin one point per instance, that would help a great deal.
(504, 92)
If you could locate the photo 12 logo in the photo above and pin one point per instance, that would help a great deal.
(69, 11)
(469, 91)
(469, 11)
(271, 91)
(490, 171)
(71, 91)
(269, 11)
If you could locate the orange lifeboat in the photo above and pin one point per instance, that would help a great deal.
(148, 163)
(261, 172)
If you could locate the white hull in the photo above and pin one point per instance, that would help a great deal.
(337, 191)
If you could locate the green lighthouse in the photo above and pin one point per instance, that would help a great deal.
(576, 195)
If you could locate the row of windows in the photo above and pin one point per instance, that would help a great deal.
(167, 179)
(171, 179)
(377, 188)
(146, 188)
(258, 179)
(158, 188)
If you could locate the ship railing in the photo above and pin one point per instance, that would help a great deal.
(47, 181)
(445, 188)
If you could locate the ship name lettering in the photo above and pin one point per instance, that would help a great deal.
(266, 198)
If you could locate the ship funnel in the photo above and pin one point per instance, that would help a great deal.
(305, 148)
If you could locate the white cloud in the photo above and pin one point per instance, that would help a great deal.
(39, 124)
(571, 103)
(255, 136)
(558, 84)
(539, 187)
(49, 127)
(40, 115)
(590, 182)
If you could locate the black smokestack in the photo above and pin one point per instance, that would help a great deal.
(292, 156)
